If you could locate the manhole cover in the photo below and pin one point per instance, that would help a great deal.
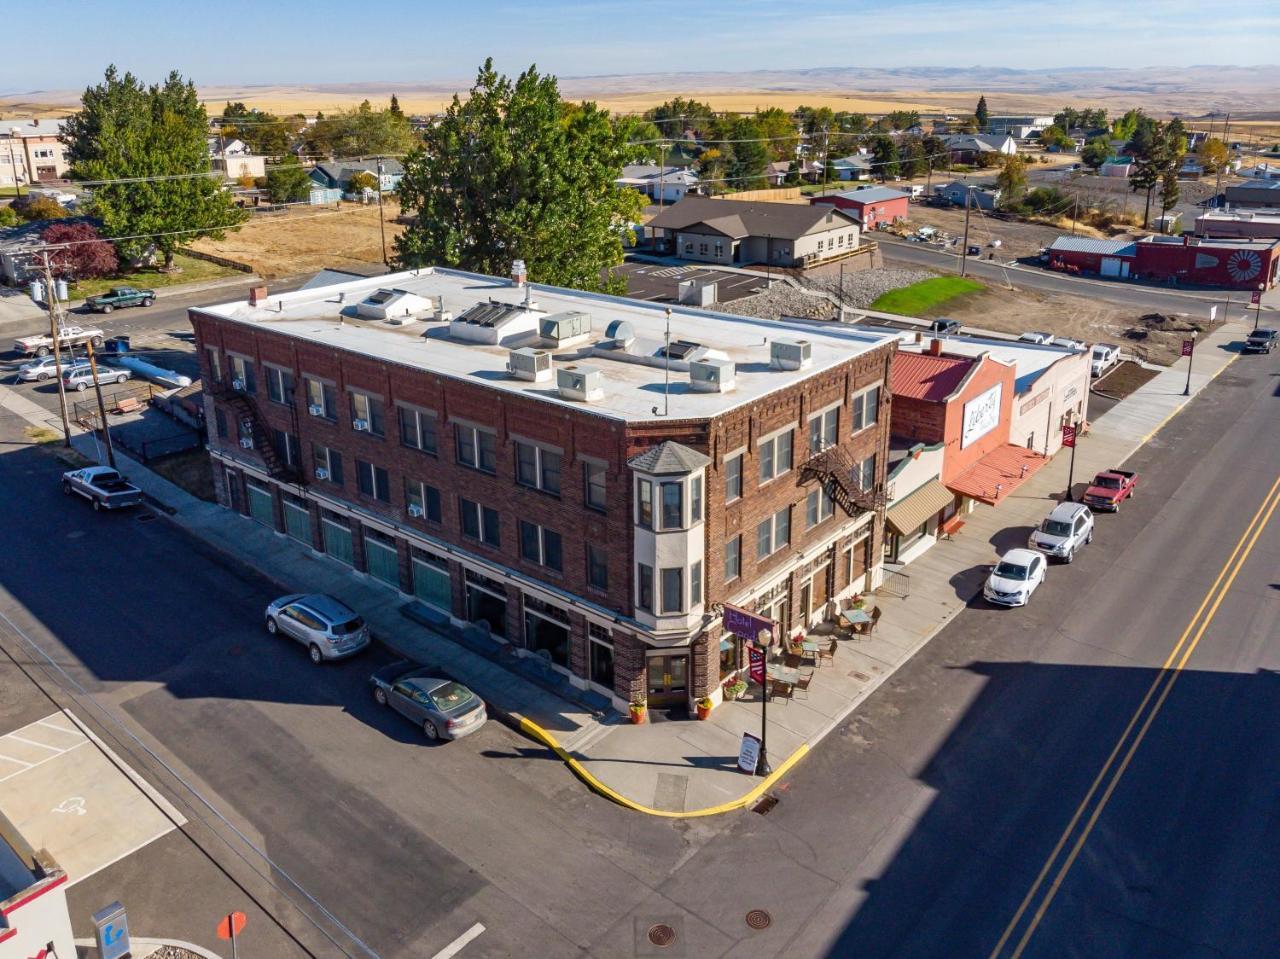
(661, 934)
(146, 517)
(759, 919)
(861, 677)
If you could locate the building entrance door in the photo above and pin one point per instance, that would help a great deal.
(668, 678)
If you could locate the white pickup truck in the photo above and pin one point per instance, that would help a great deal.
(42, 343)
(102, 486)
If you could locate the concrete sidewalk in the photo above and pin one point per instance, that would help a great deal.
(688, 767)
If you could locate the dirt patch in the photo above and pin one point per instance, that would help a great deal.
(1123, 379)
(1152, 337)
(310, 239)
(191, 471)
(1017, 239)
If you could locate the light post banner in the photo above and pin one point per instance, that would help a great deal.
(756, 671)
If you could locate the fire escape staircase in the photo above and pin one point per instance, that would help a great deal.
(249, 421)
(834, 470)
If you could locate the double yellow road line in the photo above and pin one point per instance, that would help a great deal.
(1095, 801)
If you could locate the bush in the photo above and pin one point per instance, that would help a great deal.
(261, 182)
(8, 216)
(32, 208)
(362, 181)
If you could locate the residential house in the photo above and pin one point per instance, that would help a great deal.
(31, 152)
(584, 478)
(1263, 171)
(665, 184)
(980, 197)
(1018, 127)
(754, 231)
(870, 206)
(233, 160)
(967, 147)
(337, 175)
(1263, 193)
(856, 166)
(1118, 166)
(776, 172)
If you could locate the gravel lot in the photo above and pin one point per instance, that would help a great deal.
(860, 291)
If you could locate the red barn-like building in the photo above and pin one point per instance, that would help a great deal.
(1240, 264)
(871, 206)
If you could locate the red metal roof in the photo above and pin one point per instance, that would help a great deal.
(997, 474)
(923, 376)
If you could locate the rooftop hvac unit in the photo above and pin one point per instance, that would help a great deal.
(581, 383)
(526, 363)
(246, 443)
(790, 354)
(322, 473)
(360, 426)
(315, 410)
(711, 376)
(563, 329)
(622, 334)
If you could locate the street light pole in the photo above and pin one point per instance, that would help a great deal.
(964, 250)
(1257, 313)
(1191, 358)
(382, 224)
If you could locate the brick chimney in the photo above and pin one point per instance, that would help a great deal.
(935, 347)
(519, 273)
(257, 295)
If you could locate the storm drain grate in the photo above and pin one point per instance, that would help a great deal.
(759, 919)
(861, 677)
(765, 805)
(146, 517)
(661, 934)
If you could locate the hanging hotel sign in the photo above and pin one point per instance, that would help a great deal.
(981, 416)
(748, 625)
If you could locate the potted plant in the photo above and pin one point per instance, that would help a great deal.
(735, 688)
(704, 707)
(639, 711)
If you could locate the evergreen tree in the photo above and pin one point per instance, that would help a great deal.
(506, 175)
(394, 109)
(289, 182)
(748, 155)
(981, 114)
(884, 157)
(126, 130)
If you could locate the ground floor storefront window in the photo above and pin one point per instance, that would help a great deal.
(338, 541)
(730, 647)
(546, 630)
(431, 581)
(261, 506)
(381, 557)
(600, 656)
(297, 519)
(487, 603)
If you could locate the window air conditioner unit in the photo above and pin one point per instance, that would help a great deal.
(322, 473)
(246, 443)
(237, 385)
(315, 410)
(360, 426)
(416, 511)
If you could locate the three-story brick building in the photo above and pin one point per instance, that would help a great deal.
(589, 476)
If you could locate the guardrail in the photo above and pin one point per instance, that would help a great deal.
(896, 584)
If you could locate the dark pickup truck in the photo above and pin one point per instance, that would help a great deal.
(118, 297)
(1261, 341)
(1110, 488)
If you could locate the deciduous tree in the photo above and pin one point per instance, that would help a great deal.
(1095, 152)
(748, 155)
(361, 132)
(506, 175)
(884, 157)
(288, 182)
(78, 252)
(1011, 181)
(1212, 154)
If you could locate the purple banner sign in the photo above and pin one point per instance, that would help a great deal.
(747, 625)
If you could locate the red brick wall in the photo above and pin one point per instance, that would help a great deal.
(984, 376)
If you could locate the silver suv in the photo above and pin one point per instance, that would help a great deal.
(328, 628)
(1064, 531)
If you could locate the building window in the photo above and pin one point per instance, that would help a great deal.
(287, 448)
(220, 421)
(480, 523)
(418, 429)
(672, 589)
(422, 501)
(864, 474)
(672, 505)
(774, 533)
(328, 464)
(644, 587)
(322, 399)
(381, 558)
(775, 455)
(733, 559)
(695, 583)
(215, 364)
(866, 407)
(818, 507)
(366, 410)
(373, 481)
(644, 504)
(431, 581)
(732, 478)
(600, 659)
(822, 430)
(538, 467)
(279, 385)
(597, 567)
(594, 477)
(242, 374)
(702, 249)
(540, 545)
(695, 500)
(476, 448)
(688, 247)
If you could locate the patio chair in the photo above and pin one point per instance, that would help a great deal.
(780, 689)
(866, 629)
(793, 660)
(802, 684)
(828, 654)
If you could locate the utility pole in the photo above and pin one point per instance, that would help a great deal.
(662, 172)
(1217, 186)
(1075, 209)
(57, 350)
(382, 224)
(964, 246)
(666, 371)
(102, 411)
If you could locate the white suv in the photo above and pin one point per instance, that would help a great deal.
(1063, 531)
(1104, 357)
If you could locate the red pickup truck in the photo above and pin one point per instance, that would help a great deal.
(1110, 488)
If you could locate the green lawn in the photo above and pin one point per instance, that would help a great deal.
(918, 298)
(192, 271)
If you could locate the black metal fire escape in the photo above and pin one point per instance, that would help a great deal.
(250, 423)
(836, 472)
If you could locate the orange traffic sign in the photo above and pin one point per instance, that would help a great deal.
(231, 925)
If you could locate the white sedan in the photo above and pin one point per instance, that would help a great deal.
(1015, 578)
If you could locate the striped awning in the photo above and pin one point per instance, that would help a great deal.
(907, 516)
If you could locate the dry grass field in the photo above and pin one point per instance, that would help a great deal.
(308, 240)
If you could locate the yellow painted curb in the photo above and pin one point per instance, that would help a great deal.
(534, 731)
(1182, 406)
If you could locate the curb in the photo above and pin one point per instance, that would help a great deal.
(1182, 406)
(181, 289)
(92, 946)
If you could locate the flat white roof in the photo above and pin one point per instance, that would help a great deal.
(631, 390)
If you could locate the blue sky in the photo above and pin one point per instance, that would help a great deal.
(285, 41)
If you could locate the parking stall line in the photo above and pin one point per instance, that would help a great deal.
(32, 742)
(31, 766)
(455, 947)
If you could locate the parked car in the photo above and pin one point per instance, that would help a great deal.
(1043, 339)
(327, 627)
(118, 297)
(80, 376)
(101, 485)
(1068, 343)
(974, 250)
(1104, 357)
(1015, 577)
(41, 344)
(944, 327)
(45, 368)
(443, 708)
(1067, 528)
(1110, 488)
(1261, 341)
